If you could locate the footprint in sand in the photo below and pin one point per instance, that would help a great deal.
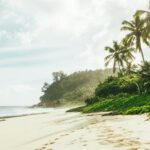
(103, 143)
(84, 145)
(84, 141)
(101, 136)
(51, 142)
(45, 146)
(42, 148)
(120, 140)
(127, 142)
(134, 148)
(120, 145)
(64, 134)
(56, 139)
(99, 139)
(130, 132)
(134, 142)
(109, 130)
(109, 134)
(110, 141)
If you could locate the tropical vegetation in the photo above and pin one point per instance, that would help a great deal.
(129, 91)
(125, 89)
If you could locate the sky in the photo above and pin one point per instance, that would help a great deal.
(38, 37)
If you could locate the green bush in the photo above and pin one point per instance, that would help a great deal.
(92, 100)
(116, 85)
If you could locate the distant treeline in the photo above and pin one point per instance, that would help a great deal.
(72, 89)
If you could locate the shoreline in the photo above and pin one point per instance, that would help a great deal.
(36, 113)
(72, 131)
(23, 115)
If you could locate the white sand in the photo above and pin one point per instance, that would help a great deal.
(75, 131)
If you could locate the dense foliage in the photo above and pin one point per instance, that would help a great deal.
(116, 85)
(74, 88)
(125, 94)
(145, 76)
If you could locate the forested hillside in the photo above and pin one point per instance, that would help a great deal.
(72, 89)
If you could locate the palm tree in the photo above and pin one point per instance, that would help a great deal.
(136, 29)
(146, 15)
(127, 49)
(115, 55)
(130, 69)
(121, 54)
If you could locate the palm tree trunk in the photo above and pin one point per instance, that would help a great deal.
(141, 51)
(138, 88)
(119, 67)
(114, 67)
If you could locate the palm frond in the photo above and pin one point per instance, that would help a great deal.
(127, 23)
(139, 13)
(108, 57)
(126, 28)
(111, 50)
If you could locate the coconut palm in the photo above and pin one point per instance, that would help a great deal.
(127, 49)
(130, 69)
(136, 29)
(115, 55)
(126, 55)
(146, 17)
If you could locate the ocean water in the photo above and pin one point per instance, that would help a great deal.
(10, 111)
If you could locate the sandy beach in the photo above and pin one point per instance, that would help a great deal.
(75, 131)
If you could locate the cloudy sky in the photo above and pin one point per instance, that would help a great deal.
(38, 37)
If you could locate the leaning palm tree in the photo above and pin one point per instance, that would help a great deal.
(115, 55)
(136, 29)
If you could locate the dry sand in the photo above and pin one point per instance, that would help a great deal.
(75, 131)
